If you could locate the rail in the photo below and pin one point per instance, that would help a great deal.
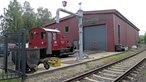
(86, 74)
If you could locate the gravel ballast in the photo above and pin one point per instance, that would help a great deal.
(60, 75)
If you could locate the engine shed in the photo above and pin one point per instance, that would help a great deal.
(102, 30)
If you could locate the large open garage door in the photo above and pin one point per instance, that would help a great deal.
(95, 38)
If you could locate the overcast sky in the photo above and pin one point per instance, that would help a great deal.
(134, 10)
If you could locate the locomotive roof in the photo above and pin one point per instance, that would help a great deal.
(47, 29)
(52, 30)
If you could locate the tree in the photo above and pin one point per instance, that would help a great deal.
(43, 16)
(17, 17)
(141, 38)
(13, 16)
(29, 17)
(144, 38)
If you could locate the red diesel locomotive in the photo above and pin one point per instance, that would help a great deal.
(50, 42)
(44, 42)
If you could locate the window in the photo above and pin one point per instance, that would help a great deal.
(66, 29)
(54, 36)
(43, 35)
(31, 36)
(119, 34)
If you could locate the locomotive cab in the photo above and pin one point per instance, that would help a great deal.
(49, 41)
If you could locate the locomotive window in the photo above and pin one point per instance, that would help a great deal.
(54, 36)
(31, 36)
(66, 29)
(43, 35)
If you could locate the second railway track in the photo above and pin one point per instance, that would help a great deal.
(113, 72)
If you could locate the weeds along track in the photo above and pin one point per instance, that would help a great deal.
(113, 72)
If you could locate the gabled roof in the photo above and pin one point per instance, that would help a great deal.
(111, 11)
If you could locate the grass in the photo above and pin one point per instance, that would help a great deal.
(144, 74)
(10, 80)
(116, 57)
(124, 55)
(88, 67)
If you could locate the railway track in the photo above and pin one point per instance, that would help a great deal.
(113, 72)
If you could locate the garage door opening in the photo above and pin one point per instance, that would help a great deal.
(95, 38)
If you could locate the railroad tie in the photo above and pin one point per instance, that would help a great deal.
(119, 70)
(77, 81)
(124, 81)
(92, 80)
(136, 72)
(112, 71)
(106, 78)
(113, 75)
(117, 67)
(133, 74)
(131, 78)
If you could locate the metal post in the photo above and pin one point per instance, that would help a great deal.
(6, 52)
(23, 55)
(18, 56)
(80, 25)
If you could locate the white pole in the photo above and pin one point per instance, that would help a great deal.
(80, 25)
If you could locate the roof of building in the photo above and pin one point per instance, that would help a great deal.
(111, 11)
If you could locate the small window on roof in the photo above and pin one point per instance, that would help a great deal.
(66, 29)
(43, 35)
(31, 36)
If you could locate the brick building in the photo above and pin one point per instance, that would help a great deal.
(102, 30)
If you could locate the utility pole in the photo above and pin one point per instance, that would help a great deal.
(79, 14)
